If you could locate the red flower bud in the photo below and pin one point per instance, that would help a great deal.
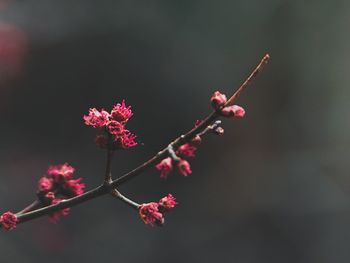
(150, 214)
(74, 187)
(186, 150)
(218, 100)
(126, 140)
(196, 141)
(233, 111)
(96, 119)
(184, 167)
(45, 184)
(8, 220)
(165, 167)
(121, 113)
(50, 196)
(167, 203)
(60, 173)
(115, 128)
(219, 131)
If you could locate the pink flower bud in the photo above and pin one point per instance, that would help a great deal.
(165, 167)
(150, 214)
(60, 173)
(186, 150)
(50, 196)
(74, 187)
(196, 141)
(115, 128)
(218, 100)
(121, 113)
(96, 119)
(167, 203)
(8, 220)
(45, 184)
(126, 140)
(184, 167)
(219, 131)
(233, 111)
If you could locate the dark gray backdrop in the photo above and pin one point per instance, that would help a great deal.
(274, 189)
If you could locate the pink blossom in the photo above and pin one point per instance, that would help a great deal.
(218, 99)
(115, 128)
(165, 167)
(121, 113)
(74, 187)
(186, 150)
(50, 196)
(167, 203)
(54, 217)
(196, 141)
(233, 111)
(184, 167)
(219, 131)
(45, 184)
(127, 140)
(8, 220)
(61, 172)
(96, 119)
(150, 214)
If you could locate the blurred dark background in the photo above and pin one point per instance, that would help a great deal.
(274, 189)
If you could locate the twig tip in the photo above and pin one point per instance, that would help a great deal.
(266, 58)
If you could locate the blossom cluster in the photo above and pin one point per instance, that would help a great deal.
(153, 213)
(219, 100)
(111, 126)
(188, 150)
(8, 220)
(57, 185)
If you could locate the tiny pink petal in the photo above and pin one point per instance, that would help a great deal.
(184, 167)
(165, 167)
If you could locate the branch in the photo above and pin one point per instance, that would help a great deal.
(108, 174)
(109, 186)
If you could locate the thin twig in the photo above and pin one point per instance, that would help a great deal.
(36, 203)
(107, 188)
(210, 128)
(124, 199)
(172, 153)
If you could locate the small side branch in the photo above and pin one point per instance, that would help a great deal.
(124, 199)
(36, 204)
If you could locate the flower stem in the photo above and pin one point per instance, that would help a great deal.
(126, 200)
(108, 173)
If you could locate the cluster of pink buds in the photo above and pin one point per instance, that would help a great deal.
(153, 213)
(111, 126)
(57, 185)
(188, 150)
(218, 101)
(8, 220)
